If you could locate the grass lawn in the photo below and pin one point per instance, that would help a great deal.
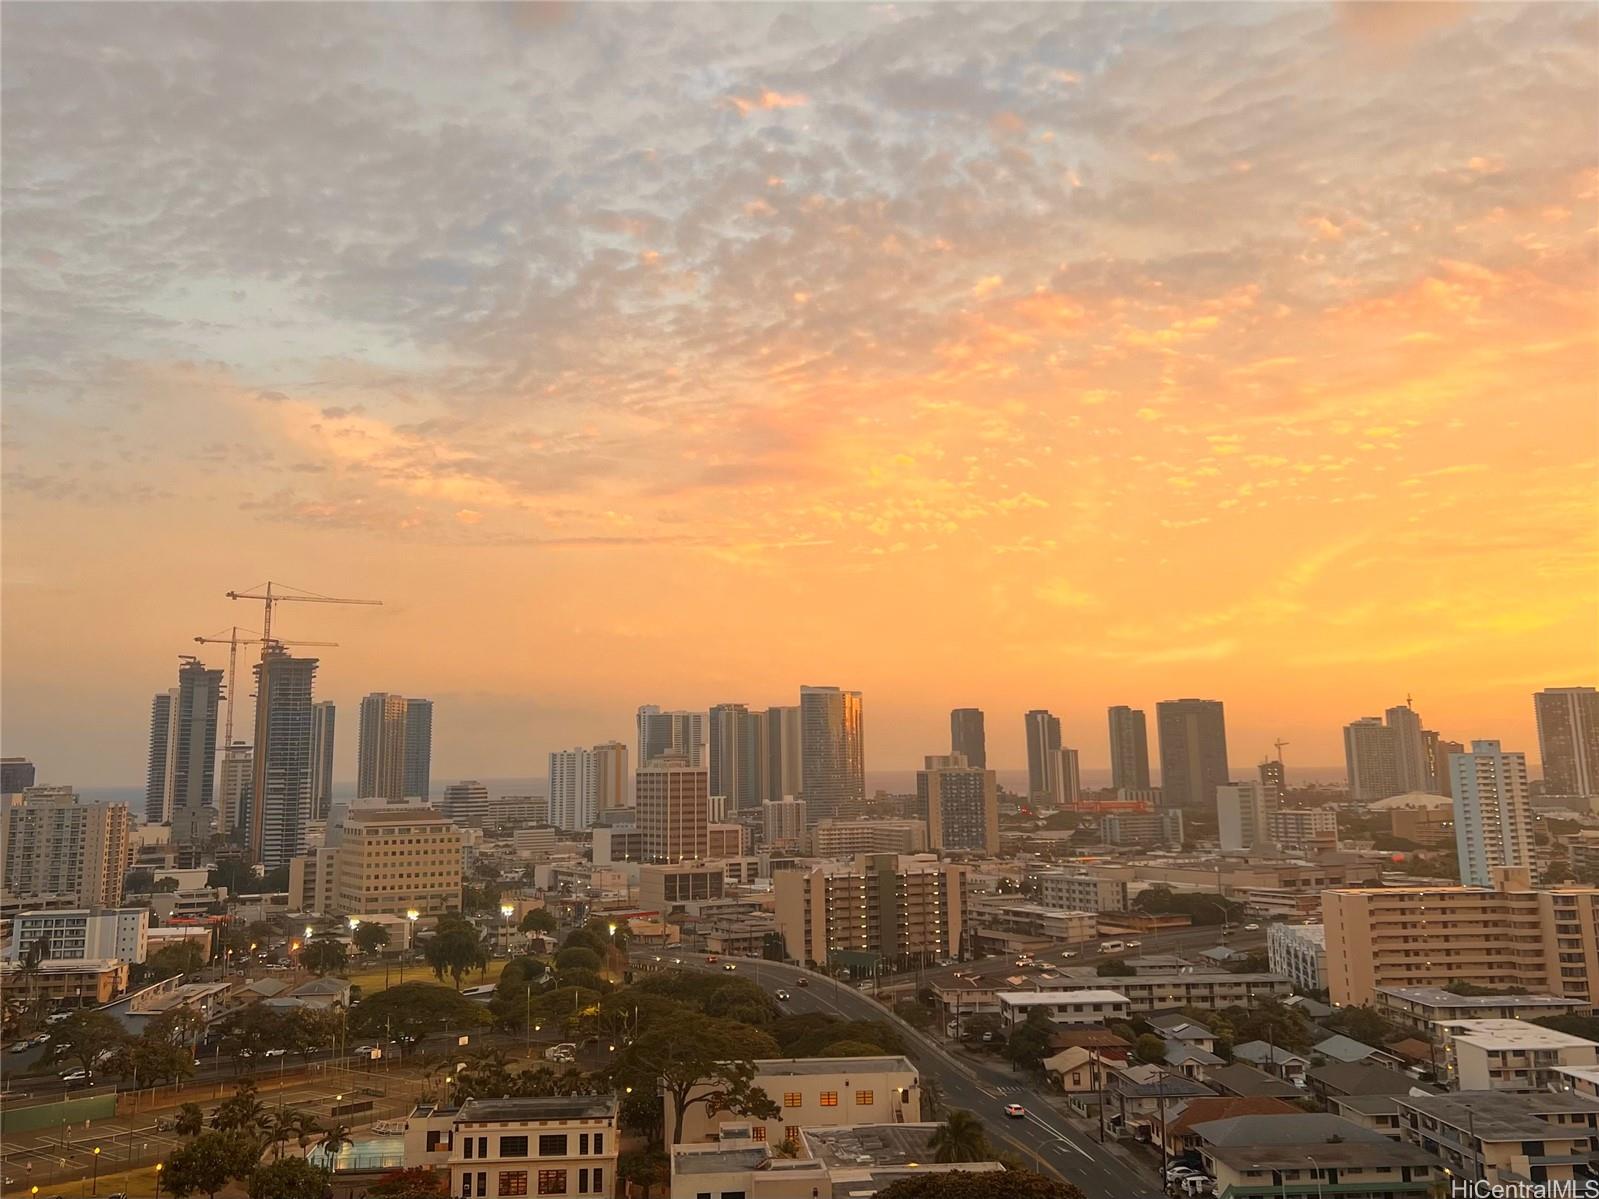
(370, 977)
(140, 1183)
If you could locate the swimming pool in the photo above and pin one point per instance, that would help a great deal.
(363, 1153)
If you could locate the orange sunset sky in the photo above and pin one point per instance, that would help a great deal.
(1003, 356)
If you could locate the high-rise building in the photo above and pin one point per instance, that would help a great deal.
(1568, 739)
(783, 823)
(959, 803)
(233, 790)
(16, 775)
(832, 753)
(280, 785)
(1410, 747)
(322, 727)
(670, 733)
(1273, 778)
(55, 844)
(1505, 937)
(1129, 748)
(466, 804)
(1493, 813)
(737, 768)
(1241, 811)
(613, 781)
(418, 748)
(1071, 778)
(380, 762)
(574, 790)
(966, 736)
(881, 907)
(157, 792)
(191, 779)
(1371, 756)
(783, 762)
(673, 801)
(1043, 757)
(1193, 750)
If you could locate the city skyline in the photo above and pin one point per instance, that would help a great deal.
(809, 338)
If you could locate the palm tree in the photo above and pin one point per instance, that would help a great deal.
(333, 1141)
(243, 1111)
(279, 1129)
(190, 1121)
(306, 1128)
(960, 1138)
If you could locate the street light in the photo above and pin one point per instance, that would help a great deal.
(94, 1187)
(411, 917)
(505, 923)
(159, 1166)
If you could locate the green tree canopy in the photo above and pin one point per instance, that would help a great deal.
(83, 1036)
(413, 1009)
(705, 1063)
(183, 958)
(324, 956)
(1029, 1041)
(1149, 1048)
(209, 1162)
(578, 958)
(370, 936)
(1113, 968)
(960, 1138)
(288, 1178)
(539, 920)
(995, 1184)
(455, 951)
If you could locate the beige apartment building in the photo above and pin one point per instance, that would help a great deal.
(880, 906)
(846, 838)
(56, 845)
(1512, 1055)
(391, 860)
(673, 799)
(1504, 1139)
(1509, 935)
(818, 1093)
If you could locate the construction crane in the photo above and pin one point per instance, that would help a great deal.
(294, 595)
(233, 641)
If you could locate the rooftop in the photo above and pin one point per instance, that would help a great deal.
(1205, 1108)
(1240, 1079)
(1031, 998)
(1344, 1049)
(1262, 1051)
(1439, 997)
(871, 1144)
(1513, 1034)
(539, 1107)
(1364, 1078)
(696, 1159)
(1500, 1115)
(795, 1066)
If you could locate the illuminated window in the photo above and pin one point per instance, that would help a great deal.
(829, 1098)
(863, 1098)
(552, 1182)
(758, 1132)
(513, 1182)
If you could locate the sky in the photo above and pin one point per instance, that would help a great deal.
(1039, 356)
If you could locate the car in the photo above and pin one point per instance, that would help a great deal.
(364, 1050)
(1132, 944)
(20, 1046)
(804, 982)
(729, 966)
(1016, 1111)
(1173, 1173)
(58, 1018)
(782, 994)
(42, 1039)
(987, 1037)
(76, 1076)
(275, 1052)
(1197, 1184)
(711, 959)
(245, 1053)
(1251, 928)
(1070, 953)
(677, 961)
(657, 957)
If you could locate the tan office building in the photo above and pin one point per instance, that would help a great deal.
(902, 909)
(394, 859)
(673, 799)
(1510, 935)
(816, 1092)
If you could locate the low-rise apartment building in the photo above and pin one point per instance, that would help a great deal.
(70, 982)
(549, 1145)
(79, 933)
(1510, 935)
(1300, 952)
(1145, 992)
(880, 907)
(1081, 892)
(999, 925)
(1505, 1139)
(1311, 1156)
(846, 838)
(1511, 1055)
(818, 1092)
(1063, 1007)
(1420, 1009)
(1303, 830)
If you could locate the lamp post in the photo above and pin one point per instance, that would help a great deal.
(159, 1166)
(505, 922)
(411, 917)
(94, 1187)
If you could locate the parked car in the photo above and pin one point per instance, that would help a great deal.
(1132, 945)
(1070, 953)
(275, 1052)
(1015, 1111)
(20, 1046)
(76, 1076)
(1251, 928)
(42, 1039)
(58, 1017)
(729, 966)
(1173, 1173)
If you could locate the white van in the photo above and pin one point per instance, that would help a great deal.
(1111, 946)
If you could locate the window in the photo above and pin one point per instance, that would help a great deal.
(793, 1099)
(758, 1132)
(552, 1182)
(513, 1147)
(829, 1098)
(599, 1180)
(582, 1182)
(552, 1144)
(437, 1140)
(513, 1182)
(583, 1142)
(863, 1098)
(599, 1147)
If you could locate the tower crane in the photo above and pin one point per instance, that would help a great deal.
(293, 595)
(233, 641)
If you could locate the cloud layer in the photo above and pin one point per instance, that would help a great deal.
(1010, 355)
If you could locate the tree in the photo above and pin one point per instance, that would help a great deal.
(183, 958)
(255, 1029)
(323, 956)
(413, 1182)
(913, 1013)
(578, 958)
(850, 1049)
(411, 1010)
(83, 1036)
(705, 1063)
(960, 1138)
(539, 920)
(1364, 1024)
(1149, 1048)
(370, 937)
(645, 1169)
(288, 1178)
(1029, 1041)
(242, 1111)
(335, 1140)
(309, 1030)
(995, 1184)
(190, 1121)
(1201, 908)
(209, 1162)
(455, 951)
(1114, 968)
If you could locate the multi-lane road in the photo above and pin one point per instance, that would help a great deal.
(1042, 1138)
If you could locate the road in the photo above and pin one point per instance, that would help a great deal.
(1043, 1138)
